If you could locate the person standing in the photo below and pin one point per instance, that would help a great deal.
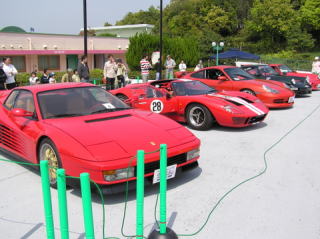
(170, 65)
(182, 66)
(110, 72)
(75, 76)
(83, 69)
(158, 69)
(44, 78)
(67, 77)
(121, 72)
(316, 66)
(52, 78)
(10, 72)
(199, 66)
(3, 77)
(33, 80)
(145, 68)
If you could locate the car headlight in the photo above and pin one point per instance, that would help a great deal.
(231, 109)
(269, 89)
(118, 174)
(193, 154)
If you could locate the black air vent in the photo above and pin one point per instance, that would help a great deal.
(108, 118)
(9, 139)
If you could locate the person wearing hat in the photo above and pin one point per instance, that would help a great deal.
(316, 65)
(52, 78)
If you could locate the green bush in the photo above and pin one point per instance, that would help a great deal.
(96, 74)
(186, 49)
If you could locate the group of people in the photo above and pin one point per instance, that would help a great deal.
(169, 66)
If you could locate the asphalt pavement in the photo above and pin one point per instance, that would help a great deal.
(282, 203)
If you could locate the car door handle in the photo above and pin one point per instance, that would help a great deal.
(142, 103)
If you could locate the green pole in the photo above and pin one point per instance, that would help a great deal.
(63, 208)
(163, 189)
(44, 169)
(140, 194)
(87, 205)
(217, 58)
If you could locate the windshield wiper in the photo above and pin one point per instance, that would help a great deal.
(109, 110)
(64, 115)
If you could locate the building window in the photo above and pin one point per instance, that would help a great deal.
(49, 62)
(18, 61)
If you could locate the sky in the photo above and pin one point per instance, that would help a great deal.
(66, 16)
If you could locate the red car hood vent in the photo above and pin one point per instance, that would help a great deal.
(108, 118)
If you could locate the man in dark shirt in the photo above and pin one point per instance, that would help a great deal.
(83, 69)
(44, 78)
(158, 67)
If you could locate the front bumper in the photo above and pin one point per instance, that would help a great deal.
(303, 91)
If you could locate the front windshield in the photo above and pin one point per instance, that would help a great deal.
(284, 68)
(238, 74)
(267, 70)
(184, 88)
(72, 102)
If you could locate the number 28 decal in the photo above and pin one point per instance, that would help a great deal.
(156, 106)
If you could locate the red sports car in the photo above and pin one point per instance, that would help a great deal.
(235, 79)
(195, 103)
(285, 70)
(83, 128)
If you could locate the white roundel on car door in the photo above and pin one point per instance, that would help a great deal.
(156, 106)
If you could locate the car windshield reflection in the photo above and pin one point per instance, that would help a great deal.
(184, 88)
(238, 74)
(80, 101)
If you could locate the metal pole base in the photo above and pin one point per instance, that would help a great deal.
(155, 234)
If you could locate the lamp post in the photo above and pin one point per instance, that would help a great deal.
(85, 29)
(161, 37)
(217, 47)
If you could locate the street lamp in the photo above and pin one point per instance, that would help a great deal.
(85, 29)
(218, 48)
(161, 38)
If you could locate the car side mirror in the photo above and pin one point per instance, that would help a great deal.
(142, 96)
(21, 113)
(222, 78)
(168, 96)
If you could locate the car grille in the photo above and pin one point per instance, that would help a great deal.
(256, 119)
(279, 101)
(151, 167)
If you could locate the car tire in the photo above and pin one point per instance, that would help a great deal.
(248, 91)
(49, 152)
(199, 117)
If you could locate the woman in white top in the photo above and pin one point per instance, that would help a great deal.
(10, 71)
(182, 66)
(33, 80)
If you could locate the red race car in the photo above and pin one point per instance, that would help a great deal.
(83, 128)
(195, 103)
(313, 79)
(272, 93)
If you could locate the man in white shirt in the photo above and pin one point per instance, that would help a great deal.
(110, 72)
(170, 65)
(10, 71)
(182, 66)
(316, 65)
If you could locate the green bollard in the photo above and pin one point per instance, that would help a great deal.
(44, 169)
(63, 206)
(87, 205)
(140, 194)
(163, 188)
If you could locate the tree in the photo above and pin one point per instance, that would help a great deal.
(107, 24)
(310, 17)
(150, 16)
(274, 25)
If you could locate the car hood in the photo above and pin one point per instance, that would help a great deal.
(261, 82)
(117, 135)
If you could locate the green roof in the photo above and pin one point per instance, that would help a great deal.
(14, 29)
